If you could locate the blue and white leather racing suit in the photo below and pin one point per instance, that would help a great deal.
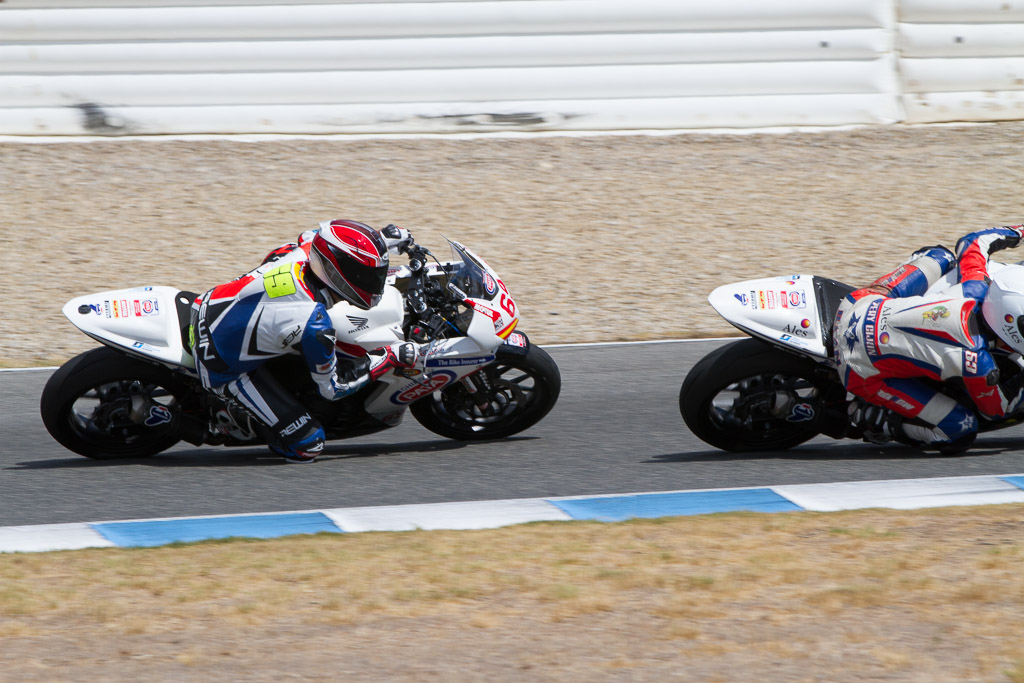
(268, 312)
(889, 335)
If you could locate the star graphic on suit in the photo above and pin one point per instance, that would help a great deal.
(851, 332)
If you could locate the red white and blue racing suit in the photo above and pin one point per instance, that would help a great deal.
(274, 310)
(888, 335)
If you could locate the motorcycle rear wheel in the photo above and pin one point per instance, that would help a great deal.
(524, 388)
(725, 397)
(85, 405)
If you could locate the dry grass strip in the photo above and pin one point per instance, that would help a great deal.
(930, 595)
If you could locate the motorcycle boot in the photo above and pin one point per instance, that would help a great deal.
(874, 424)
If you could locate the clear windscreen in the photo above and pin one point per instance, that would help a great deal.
(471, 278)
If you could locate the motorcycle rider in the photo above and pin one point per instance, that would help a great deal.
(888, 336)
(281, 308)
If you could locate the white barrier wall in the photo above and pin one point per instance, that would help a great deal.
(444, 66)
(483, 65)
(961, 60)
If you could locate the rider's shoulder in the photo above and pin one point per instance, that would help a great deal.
(285, 282)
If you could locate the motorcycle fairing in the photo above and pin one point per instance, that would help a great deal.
(482, 290)
(447, 361)
(142, 321)
(781, 309)
(373, 328)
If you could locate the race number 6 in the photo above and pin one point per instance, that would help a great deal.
(505, 301)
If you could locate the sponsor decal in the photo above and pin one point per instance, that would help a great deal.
(971, 361)
(795, 341)
(801, 412)
(883, 338)
(291, 336)
(793, 298)
(771, 298)
(458, 362)
(432, 383)
(114, 303)
(358, 323)
(106, 308)
(805, 323)
(1008, 318)
(869, 327)
(896, 276)
(793, 329)
(480, 308)
(489, 284)
(760, 299)
(742, 298)
(883, 318)
(1011, 332)
(138, 307)
(203, 333)
(935, 313)
(147, 289)
(517, 339)
(295, 426)
(902, 402)
(753, 300)
(850, 336)
(158, 415)
(125, 311)
(150, 307)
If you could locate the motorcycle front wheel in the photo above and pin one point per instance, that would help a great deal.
(104, 405)
(511, 394)
(750, 396)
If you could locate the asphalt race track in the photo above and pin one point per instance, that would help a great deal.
(616, 429)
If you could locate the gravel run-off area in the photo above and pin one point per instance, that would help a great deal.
(598, 238)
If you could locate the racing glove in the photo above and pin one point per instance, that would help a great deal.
(400, 355)
(397, 239)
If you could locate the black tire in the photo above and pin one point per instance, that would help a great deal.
(724, 398)
(83, 405)
(525, 389)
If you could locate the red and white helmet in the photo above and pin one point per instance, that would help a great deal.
(351, 258)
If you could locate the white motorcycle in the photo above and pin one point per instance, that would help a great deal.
(781, 387)
(139, 394)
